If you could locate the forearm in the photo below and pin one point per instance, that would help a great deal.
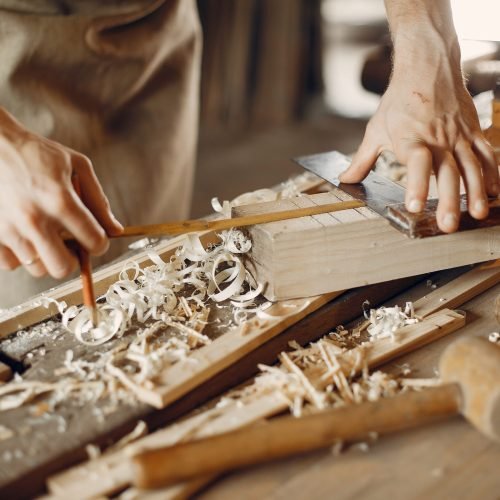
(424, 39)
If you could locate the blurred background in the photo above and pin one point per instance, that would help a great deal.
(283, 78)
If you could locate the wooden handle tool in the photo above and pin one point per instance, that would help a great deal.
(471, 366)
(86, 269)
(189, 226)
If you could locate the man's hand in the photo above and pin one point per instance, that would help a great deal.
(427, 118)
(38, 202)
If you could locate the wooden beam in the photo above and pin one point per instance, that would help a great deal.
(353, 248)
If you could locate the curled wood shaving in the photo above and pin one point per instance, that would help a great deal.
(288, 189)
(172, 291)
(386, 321)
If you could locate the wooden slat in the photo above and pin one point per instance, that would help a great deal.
(459, 291)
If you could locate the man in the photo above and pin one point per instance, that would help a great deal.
(118, 83)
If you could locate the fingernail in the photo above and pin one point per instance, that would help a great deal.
(480, 205)
(450, 221)
(415, 206)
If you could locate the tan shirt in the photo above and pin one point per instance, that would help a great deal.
(116, 80)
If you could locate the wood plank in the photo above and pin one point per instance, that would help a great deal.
(297, 259)
(458, 291)
(205, 362)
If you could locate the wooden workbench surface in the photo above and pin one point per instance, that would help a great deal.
(442, 461)
(450, 459)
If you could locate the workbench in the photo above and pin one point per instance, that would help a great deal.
(446, 460)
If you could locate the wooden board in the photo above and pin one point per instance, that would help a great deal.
(315, 255)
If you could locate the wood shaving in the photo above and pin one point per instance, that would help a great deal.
(93, 451)
(386, 321)
(494, 337)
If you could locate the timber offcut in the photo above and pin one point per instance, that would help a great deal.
(357, 247)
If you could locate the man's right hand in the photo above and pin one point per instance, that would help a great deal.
(38, 203)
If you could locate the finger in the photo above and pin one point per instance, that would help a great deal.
(8, 261)
(26, 254)
(58, 260)
(489, 165)
(68, 209)
(470, 169)
(448, 184)
(93, 195)
(419, 163)
(362, 162)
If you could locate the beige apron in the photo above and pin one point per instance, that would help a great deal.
(117, 81)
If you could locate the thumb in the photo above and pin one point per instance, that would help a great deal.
(362, 162)
(93, 195)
